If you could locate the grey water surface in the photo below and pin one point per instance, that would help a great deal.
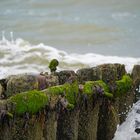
(108, 27)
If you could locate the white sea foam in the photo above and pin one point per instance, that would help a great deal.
(18, 56)
(126, 131)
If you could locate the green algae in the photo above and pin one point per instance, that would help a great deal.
(89, 88)
(53, 64)
(70, 91)
(70, 106)
(31, 102)
(109, 95)
(89, 85)
(123, 85)
(56, 90)
(102, 84)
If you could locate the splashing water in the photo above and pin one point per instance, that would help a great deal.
(19, 56)
(126, 131)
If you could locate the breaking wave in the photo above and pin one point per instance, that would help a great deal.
(126, 131)
(19, 56)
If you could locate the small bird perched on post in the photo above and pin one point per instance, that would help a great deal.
(53, 65)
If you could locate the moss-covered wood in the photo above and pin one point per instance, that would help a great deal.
(69, 91)
(31, 102)
(97, 87)
(123, 85)
(88, 109)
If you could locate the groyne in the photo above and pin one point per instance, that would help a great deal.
(67, 105)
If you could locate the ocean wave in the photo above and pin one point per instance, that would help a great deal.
(19, 56)
(126, 131)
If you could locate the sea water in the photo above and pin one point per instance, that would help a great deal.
(126, 131)
(107, 27)
(19, 56)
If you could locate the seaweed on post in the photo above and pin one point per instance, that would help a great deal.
(31, 102)
(123, 85)
(92, 87)
(69, 91)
